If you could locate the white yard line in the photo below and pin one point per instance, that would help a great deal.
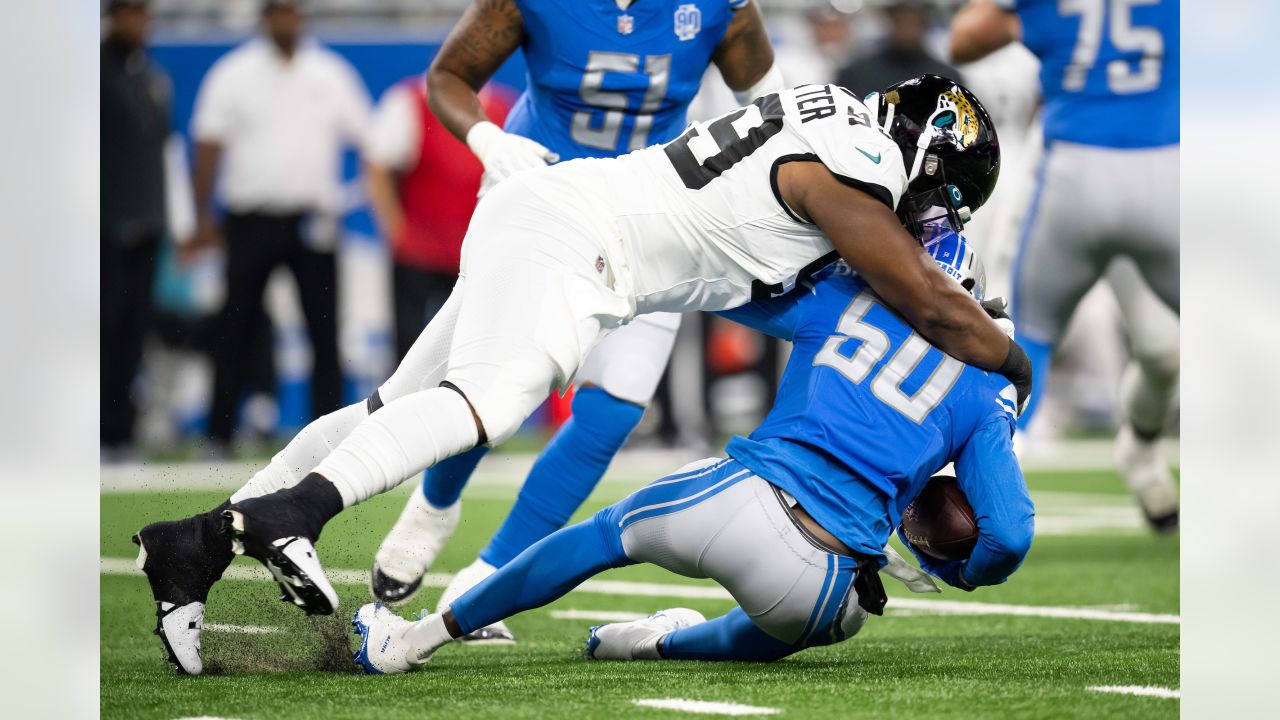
(122, 566)
(704, 707)
(602, 615)
(239, 629)
(1139, 690)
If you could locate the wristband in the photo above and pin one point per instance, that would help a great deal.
(481, 137)
(1016, 364)
(771, 82)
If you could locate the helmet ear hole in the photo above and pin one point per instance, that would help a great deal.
(968, 284)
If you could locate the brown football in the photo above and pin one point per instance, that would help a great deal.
(940, 522)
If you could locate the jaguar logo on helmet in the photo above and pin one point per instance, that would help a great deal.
(956, 118)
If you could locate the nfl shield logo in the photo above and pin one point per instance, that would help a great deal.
(688, 21)
(626, 24)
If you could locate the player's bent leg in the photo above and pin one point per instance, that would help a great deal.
(1148, 388)
(618, 377)
(731, 637)
(541, 574)
(721, 521)
(1054, 267)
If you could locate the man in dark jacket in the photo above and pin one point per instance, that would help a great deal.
(134, 126)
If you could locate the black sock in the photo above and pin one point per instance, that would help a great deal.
(314, 500)
(219, 545)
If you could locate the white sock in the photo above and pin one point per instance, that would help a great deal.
(405, 437)
(304, 452)
(428, 634)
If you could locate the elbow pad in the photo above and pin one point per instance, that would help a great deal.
(771, 82)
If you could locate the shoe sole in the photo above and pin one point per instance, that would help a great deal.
(388, 601)
(296, 586)
(479, 638)
(361, 656)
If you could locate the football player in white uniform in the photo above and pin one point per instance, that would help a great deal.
(734, 209)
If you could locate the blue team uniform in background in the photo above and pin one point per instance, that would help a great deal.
(854, 454)
(1110, 77)
(595, 91)
(1123, 95)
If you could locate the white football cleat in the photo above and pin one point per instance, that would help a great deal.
(410, 548)
(468, 577)
(179, 629)
(292, 559)
(384, 649)
(638, 639)
(1146, 472)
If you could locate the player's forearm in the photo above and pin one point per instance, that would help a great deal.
(989, 476)
(206, 173)
(946, 315)
(384, 200)
(454, 102)
(488, 33)
(745, 56)
(979, 29)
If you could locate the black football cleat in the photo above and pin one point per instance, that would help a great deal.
(276, 532)
(182, 560)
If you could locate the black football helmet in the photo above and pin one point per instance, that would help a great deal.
(949, 145)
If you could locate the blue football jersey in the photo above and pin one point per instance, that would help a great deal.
(867, 410)
(604, 81)
(1109, 69)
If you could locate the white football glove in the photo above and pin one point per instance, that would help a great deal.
(504, 154)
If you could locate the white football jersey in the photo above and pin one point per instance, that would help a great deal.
(702, 223)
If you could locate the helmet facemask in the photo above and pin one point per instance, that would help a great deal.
(936, 122)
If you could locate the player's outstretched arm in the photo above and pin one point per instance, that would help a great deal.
(869, 236)
(980, 28)
(988, 474)
(745, 56)
(488, 33)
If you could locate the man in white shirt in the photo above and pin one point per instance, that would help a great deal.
(271, 120)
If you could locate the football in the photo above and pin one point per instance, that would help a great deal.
(940, 522)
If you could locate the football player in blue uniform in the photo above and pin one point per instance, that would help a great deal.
(1107, 200)
(605, 77)
(794, 521)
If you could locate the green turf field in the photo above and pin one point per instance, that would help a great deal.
(1093, 555)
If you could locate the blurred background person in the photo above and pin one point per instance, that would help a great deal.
(135, 127)
(1106, 204)
(272, 118)
(422, 184)
(901, 55)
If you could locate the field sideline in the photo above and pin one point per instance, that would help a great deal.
(1088, 628)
